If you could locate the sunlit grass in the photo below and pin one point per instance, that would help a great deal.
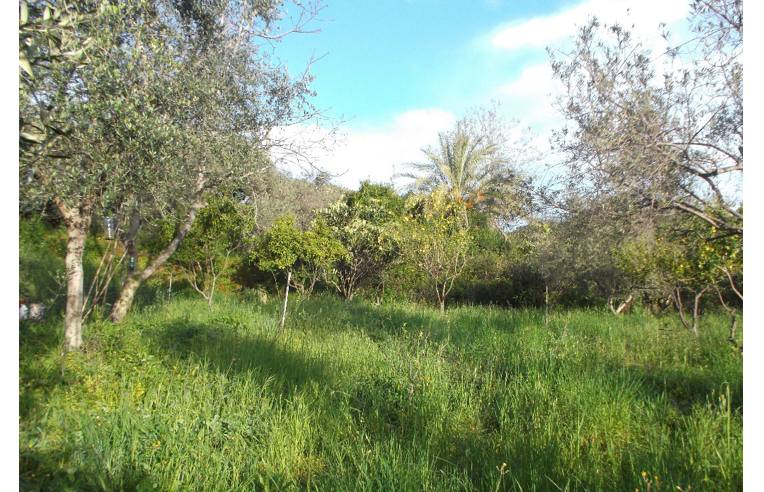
(353, 396)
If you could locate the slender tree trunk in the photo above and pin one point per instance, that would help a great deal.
(136, 278)
(313, 280)
(212, 293)
(677, 296)
(696, 311)
(732, 338)
(77, 223)
(286, 298)
(215, 275)
(546, 304)
(441, 296)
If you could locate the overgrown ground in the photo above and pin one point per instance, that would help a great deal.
(363, 397)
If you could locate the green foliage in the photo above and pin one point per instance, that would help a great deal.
(376, 202)
(476, 164)
(218, 238)
(392, 397)
(81, 106)
(436, 240)
(307, 253)
(320, 251)
(166, 104)
(364, 223)
(47, 33)
(221, 227)
(41, 267)
(275, 194)
(42, 273)
(689, 254)
(281, 247)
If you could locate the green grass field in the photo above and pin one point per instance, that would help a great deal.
(353, 396)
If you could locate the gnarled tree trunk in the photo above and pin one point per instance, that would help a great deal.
(622, 308)
(136, 278)
(77, 222)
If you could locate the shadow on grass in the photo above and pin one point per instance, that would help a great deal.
(684, 389)
(374, 320)
(381, 322)
(227, 350)
(41, 471)
(39, 364)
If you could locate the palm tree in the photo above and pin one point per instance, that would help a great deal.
(470, 164)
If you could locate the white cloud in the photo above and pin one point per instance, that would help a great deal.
(530, 99)
(531, 95)
(534, 80)
(540, 32)
(371, 153)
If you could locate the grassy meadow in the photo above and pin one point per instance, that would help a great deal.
(355, 396)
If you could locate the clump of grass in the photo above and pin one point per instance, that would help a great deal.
(354, 396)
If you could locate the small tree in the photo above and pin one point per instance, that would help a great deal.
(221, 229)
(278, 251)
(305, 255)
(437, 241)
(319, 252)
(685, 265)
(227, 96)
(363, 222)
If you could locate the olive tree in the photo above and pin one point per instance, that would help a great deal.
(232, 96)
(84, 135)
(661, 140)
(143, 109)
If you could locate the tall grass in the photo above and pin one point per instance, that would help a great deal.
(353, 396)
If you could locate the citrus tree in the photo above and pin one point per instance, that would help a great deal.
(222, 230)
(684, 264)
(437, 241)
(284, 248)
(364, 223)
(319, 253)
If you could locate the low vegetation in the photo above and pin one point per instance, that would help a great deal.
(353, 396)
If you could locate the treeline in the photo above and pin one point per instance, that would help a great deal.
(387, 246)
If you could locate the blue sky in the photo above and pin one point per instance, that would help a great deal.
(397, 72)
(384, 57)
